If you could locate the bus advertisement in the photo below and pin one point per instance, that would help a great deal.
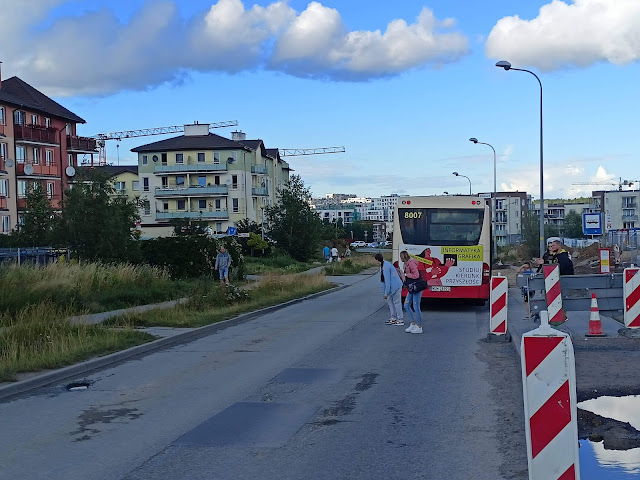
(450, 237)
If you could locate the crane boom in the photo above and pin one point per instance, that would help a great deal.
(291, 152)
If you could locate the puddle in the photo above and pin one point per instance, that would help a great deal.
(598, 462)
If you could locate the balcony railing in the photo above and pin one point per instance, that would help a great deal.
(38, 169)
(204, 215)
(81, 144)
(629, 204)
(36, 133)
(191, 190)
(259, 191)
(190, 167)
(259, 169)
(630, 218)
(121, 192)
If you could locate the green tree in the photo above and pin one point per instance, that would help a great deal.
(359, 227)
(256, 242)
(293, 224)
(38, 218)
(531, 230)
(96, 225)
(573, 225)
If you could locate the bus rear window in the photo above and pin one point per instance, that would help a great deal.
(427, 226)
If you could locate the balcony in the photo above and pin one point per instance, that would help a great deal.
(54, 200)
(192, 190)
(198, 215)
(259, 191)
(259, 169)
(630, 218)
(628, 204)
(38, 169)
(120, 192)
(190, 167)
(35, 134)
(81, 144)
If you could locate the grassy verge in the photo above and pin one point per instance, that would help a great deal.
(277, 264)
(222, 303)
(355, 264)
(37, 339)
(81, 288)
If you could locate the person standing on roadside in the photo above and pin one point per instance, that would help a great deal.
(327, 254)
(391, 286)
(412, 302)
(223, 262)
(558, 256)
(334, 254)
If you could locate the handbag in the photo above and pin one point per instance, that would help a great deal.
(415, 285)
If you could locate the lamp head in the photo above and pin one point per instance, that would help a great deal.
(456, 173)
(503, 64)
(446, 193)
(474, 140)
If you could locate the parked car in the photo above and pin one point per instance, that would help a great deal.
(373, 245)
(386, 243)
(358, 243)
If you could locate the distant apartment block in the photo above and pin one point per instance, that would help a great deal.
(203, 176)
(38, 145)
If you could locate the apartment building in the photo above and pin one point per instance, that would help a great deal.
(38, 144)
(203, 176)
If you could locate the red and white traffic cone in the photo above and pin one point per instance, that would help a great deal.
(595, 325)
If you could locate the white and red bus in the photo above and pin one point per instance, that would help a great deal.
(450, 236)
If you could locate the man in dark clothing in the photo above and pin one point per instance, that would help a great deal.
(559, 256)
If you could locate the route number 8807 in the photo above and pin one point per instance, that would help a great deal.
(412, 214)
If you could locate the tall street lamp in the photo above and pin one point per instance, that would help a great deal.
(507, 66)
(495, 200)
(458, 175)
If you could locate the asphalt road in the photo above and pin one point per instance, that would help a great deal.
(319, 390)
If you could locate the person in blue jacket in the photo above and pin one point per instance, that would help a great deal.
(391, 286)
(326, 251)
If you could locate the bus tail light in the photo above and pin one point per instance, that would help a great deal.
(486, 273)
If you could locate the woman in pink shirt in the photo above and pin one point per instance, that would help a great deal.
(412, 302)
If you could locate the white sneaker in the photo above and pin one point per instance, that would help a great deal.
(416, 329)
(410, 328)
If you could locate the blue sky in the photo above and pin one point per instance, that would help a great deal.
(401, 85)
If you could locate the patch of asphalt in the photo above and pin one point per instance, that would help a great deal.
(48, 378)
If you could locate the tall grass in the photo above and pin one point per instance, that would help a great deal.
(91, 287)
(220, 303)
(37, 337)
(352, 265)
(275, 264)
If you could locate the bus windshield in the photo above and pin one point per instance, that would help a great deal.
(434, 226)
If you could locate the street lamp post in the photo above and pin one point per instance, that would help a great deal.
(507, 66)
(458, 175)
(495, 200)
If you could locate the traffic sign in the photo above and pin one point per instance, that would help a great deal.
(592, 223)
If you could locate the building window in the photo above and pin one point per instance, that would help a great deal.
(629, 225)
(70, 160)
(47, 122)
(21, 154)
(22, 188)
(165, 182)
(3, 151)
(135, 185)
(36, 156)
(628, 212)
(216, 158)
(145, 159)
(234, 181)
(202, 180)
(147, 207)
(219, 227)
(218, 205)
(180, 181)
(19, 117)
(48, 157)
(6, 224)
(4, 187)
(34, 119)
(200, 157)
(164, 158)
(182, 204)
(69, 129)
(165, 206)
(202, 204)
(234, 203)
(628, 202)
(145, 184)
(119, 186)
(50, 189)
(179, 158)
(2, 117)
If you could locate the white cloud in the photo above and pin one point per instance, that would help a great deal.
(574, 34)
(156, 45)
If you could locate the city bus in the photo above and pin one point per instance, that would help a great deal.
(450, 236)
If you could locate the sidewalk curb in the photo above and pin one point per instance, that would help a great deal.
(55, 376)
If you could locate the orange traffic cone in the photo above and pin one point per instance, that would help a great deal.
(595, 326)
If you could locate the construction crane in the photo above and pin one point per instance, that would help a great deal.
(619, 184)
(101, 138)
(292, 152)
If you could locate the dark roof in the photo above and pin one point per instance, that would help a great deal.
(114, 170)
(191, 142)
(274, 153)
(18, 92)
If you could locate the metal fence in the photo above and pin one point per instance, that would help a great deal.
(33, 256)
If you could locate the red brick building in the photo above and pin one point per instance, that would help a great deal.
(38, 144)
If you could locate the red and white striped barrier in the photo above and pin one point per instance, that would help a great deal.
(554, 294)
(631, 291)
(498, 300)
(549, 391)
